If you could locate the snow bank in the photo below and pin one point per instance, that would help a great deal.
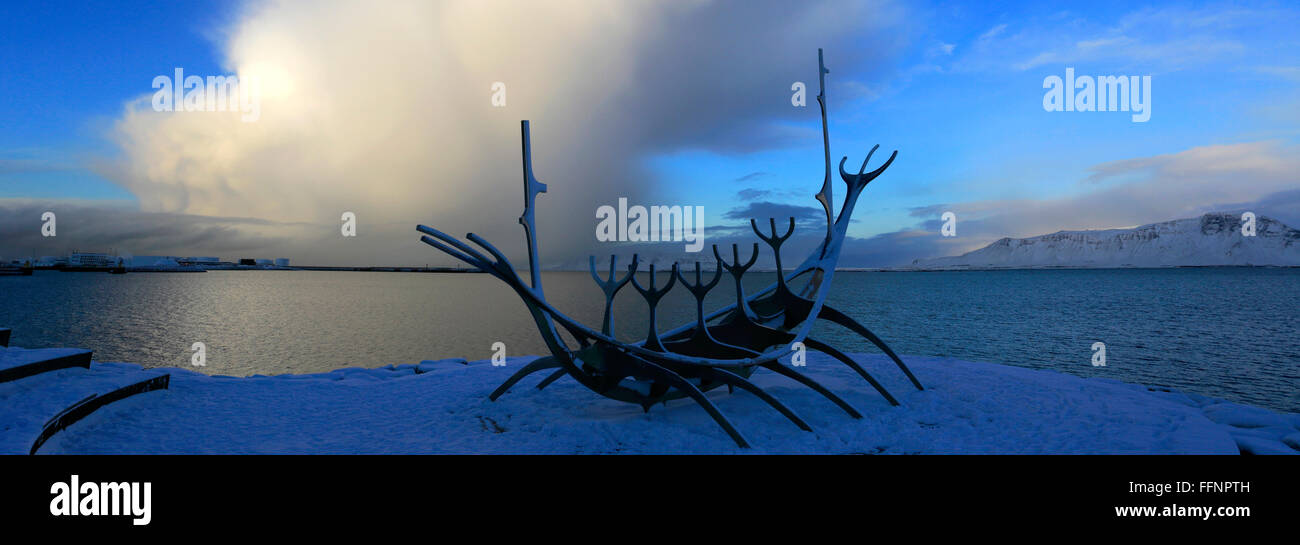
(442, 407)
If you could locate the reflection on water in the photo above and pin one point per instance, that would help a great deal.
(1232, 333)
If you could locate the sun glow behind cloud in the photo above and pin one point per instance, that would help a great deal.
(387, 112)
(384, 112)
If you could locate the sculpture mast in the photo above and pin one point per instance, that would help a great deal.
(825, 196)
(531, 188)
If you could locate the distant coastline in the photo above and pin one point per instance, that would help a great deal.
(1226, 239)
(293, 268)
(387, 269)
(960, 268)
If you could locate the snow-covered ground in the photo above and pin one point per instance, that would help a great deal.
(442, 407)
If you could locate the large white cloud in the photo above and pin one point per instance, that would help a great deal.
(384, 109)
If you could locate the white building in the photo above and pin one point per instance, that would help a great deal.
(49, 261)
(154, 261)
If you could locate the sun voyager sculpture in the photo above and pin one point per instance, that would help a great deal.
(721, 348)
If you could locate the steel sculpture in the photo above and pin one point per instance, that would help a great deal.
(754, 332)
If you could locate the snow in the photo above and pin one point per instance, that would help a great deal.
(1210, 240)
(442, 407)
(1244, 416)
(27, 403)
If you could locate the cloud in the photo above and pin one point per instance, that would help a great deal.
(940, 49)
(386, 111)
(751, 176)
(93, 227)
(1213, 171)
(751, 194)
(764, 209)
(993, 32)
(1146, 40)
(1263, 177)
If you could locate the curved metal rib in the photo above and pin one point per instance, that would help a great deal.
(832, 352)
(778, 368)
(557, 375)
(732, 379)
(681, 384)
(830, 314)
(539, 364)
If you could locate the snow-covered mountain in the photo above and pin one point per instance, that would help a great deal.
(1212, 239)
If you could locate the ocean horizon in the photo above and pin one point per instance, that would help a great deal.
(1227, 332)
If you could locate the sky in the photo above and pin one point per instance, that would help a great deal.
(390, 111)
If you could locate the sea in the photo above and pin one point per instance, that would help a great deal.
(1232, 333)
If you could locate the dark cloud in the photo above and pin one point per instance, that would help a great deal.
(100, 229)
(935, 210)
(762, 210)
(1283, 206)
(719, 76)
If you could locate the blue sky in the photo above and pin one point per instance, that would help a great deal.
(963, 103)
(70, 67)
(957, 88)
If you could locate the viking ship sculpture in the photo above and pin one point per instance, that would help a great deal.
(722, 348)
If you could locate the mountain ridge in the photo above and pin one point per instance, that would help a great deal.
(1212, 239)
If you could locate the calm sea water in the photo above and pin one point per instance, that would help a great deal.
(1230, 333)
